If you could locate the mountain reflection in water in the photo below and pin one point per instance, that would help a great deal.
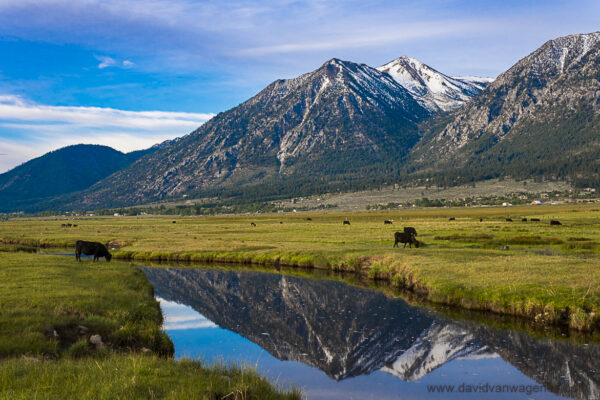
(348, 332)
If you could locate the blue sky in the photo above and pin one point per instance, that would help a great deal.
(132, 73)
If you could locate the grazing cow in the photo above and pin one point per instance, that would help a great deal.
(91, 248)
(524, 220)
(174, 222)
(451, 219)
(554, 222)
(410, 229)
(535, 220)
(63, 225)
(252, 223)
(309, 219)
(509, 220)
(480, 219)
(346, 222)
(387, 222)
(403, 237)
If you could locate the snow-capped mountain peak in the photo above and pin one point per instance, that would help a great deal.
(431, 88)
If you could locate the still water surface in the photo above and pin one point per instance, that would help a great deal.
(337, 341)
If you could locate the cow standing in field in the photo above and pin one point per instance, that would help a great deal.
(346, 222)
(555, 222)
(411, 230)
(91, 248)
(387, 222)
(403, 237)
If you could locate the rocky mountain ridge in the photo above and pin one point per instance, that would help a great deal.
(533, 118)
(342, 119)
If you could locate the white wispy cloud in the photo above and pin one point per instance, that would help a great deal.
(16, 108)
(372, 36)
(106, 62)
(28, 129)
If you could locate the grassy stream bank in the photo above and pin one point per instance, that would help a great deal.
(73, 330)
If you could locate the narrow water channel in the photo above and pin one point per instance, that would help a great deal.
(338, 341)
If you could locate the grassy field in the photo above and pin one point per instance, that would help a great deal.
(51, 307)
(547, 273)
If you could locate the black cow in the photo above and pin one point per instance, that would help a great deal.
(309, 219)
(403, 237)
(509, 220)
(451, 219)
(523, 219)
(91, 248)
(387, 222)
(252, 223)
(410, 229)
(346, 222)
(535, 220)
(480, 219)
(174, 222)
(554, 222)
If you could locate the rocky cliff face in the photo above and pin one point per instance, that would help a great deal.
(545, 106)
(330, 122)
(432, 89)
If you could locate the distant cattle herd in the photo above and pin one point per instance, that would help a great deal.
(408, 236)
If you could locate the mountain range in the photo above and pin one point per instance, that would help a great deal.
(348, 126)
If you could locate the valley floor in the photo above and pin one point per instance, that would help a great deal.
(477, 261)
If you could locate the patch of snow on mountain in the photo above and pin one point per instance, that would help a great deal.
(433, 89)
